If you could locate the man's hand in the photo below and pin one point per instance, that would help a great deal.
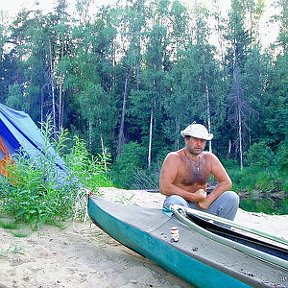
(199, 195)
(204, 204)
(204, 201)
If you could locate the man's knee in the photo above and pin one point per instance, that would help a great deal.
(232, 198)
(229, 205)
(174, 200)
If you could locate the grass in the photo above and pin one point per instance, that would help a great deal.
(9, 224)
(124, 199)
(17, 229)
(14, 249)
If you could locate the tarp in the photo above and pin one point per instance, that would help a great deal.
(18, 131)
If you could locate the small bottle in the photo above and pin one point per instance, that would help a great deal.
(174, 234)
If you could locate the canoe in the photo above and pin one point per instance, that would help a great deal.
(208, 253)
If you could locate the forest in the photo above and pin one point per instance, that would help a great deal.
(128, 77)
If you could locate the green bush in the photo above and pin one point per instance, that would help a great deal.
(145, 179)
(91, 171)
(132, 159)
(32, 194)
(260, 155)
(256, 178)
(282, 156)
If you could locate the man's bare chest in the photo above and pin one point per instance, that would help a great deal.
(192, 174)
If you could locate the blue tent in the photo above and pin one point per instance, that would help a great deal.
(19, 132)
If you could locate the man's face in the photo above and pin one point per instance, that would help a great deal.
(195, 145)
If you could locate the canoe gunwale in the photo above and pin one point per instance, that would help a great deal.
(230, 223)
(180, 214)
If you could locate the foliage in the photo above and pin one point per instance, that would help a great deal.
(282, 156)
(88, 169)
(131, 160)
(145, 179)
(33, 193)
(31, 197)
(260, 155)
(262, 180)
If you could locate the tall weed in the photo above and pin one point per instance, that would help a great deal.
(32, 193)
(35, 193)
(90, 170)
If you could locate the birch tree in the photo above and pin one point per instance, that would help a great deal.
(131, 38)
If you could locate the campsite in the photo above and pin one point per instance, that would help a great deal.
(94, 100)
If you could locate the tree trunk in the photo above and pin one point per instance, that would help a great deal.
(42, 105)
(239, 104)
(240, 138)
(60, 105)
(121, 138)
(90, 134)
(177, 127)
(60, 102)
(208, 115)
(103, 149)
(228, 155)
(150, 137)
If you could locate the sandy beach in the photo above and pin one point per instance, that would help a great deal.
(81, 255)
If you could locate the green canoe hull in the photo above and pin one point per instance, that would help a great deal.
(194, 258)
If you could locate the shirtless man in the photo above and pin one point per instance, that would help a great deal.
(185, 173)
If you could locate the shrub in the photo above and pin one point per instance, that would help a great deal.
(260, 155)
(33, 194)
(145, 179)
(282, 156)
(132, 159)
(90, 171)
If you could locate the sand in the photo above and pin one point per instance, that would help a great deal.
(81, 255)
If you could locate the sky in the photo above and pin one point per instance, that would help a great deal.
(13, 6)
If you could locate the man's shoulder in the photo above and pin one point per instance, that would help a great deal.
(208, 155)
(174, 155)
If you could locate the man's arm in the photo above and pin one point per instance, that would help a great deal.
(223, 179)
(168, 174)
